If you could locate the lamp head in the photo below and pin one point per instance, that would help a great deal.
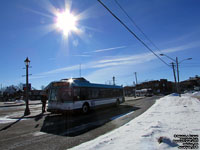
(27, 61)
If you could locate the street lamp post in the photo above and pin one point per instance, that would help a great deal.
(27, 110)
(177, 63)
(177, 67)
(174, 72)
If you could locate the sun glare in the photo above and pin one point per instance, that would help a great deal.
(66, 22)
(70, 80)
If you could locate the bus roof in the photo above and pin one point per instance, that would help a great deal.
(81, 82)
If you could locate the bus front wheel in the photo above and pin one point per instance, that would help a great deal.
(85, 108)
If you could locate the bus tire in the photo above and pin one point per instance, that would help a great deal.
(85, 108)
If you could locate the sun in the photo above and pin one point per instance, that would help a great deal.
(66, 22)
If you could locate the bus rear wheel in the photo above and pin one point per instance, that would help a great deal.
(85, 109)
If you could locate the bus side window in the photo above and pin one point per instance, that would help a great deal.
(84, 94)
(104, 93)
(100, 93)
(118, 92)
(110, 92)
(90, 93)
(94, 93)
(76, 93)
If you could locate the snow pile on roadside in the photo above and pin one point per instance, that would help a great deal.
(20, 101)
(15, 102)
(168, 117)
(196, 94)
(6, 119)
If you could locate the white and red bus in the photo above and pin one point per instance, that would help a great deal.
(80, 94)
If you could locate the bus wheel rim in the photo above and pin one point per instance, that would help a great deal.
(85, 108)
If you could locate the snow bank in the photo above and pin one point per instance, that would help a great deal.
(6, 120)
(196, 94)
(20, 101)
(15, 102)
(169, 116)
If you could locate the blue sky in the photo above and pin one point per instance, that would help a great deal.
(103, 47)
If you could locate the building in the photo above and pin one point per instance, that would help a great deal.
(35, 94)
(193, 83)
(129, 90)
(162, 86)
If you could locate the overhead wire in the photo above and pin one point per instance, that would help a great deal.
(132, 32)
(136, 25)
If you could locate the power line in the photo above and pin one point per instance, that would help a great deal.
(132, 32)
(136, 25)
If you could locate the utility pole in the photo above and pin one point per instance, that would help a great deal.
(135, 83)
(178, 85)
(177, 67)
(136, 78)
(113, 80)
(174, 76)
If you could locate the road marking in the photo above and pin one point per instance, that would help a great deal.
(38, 133)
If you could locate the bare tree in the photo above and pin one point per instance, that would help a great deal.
(20, 86)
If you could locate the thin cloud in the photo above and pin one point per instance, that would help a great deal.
(149, 55)
(135, 59)
(181, 48)
(59, 70)
(125, 60)
(75, 43)
(37, 76)
(121, 61)
(82, 55)
(106, 49)
(187, 36)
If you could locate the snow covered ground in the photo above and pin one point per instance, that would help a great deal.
(196, 94)
(16, 102)
(6, 119)
(18, 111)
(160, 127)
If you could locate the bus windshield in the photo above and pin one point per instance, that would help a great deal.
(63, 93)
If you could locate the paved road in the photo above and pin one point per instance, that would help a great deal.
(51, 131)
